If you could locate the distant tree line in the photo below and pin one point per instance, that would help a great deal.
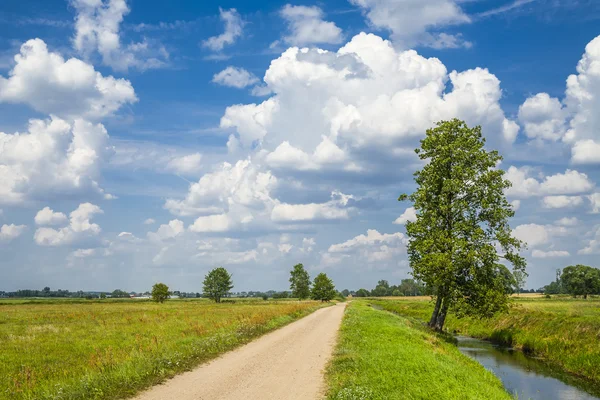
(407, 287)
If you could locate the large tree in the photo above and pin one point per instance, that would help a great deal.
(581, 280)
(299, 282)
(217, 284)
(461, 235)
(323, 288)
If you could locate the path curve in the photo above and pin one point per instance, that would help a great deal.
(285, 364)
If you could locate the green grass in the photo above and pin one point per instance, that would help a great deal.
(112, 349)
(564, 332)
(382, 356)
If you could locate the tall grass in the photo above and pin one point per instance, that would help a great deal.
(106, 350)
(564, 332)
(382, 356)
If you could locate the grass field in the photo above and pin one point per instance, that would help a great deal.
(112, 349)
(563, 331)
(382, 356)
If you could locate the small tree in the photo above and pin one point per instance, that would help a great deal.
(323, 288)
(461, 231)
(519, 279)
(299, 282)
(217, 284)
(160, 292)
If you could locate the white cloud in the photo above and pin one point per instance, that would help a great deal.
(235, 77)
(47, 216)
(212, 223)
(167, 231)
(569, 183)
(535, 235)
(306, 26)
(69, 89)
(586, 152)
(233, 30)
(335, 209)
(565, 221)
(365, 98)
(97, 26)
(594, 199)
(78, 229)
(416, 22)
(410, 214)
(543, 117)
(149, 221)
(374, 248)
(562, 201)
(188, 164)
(516, 204)
(53, 159)
(593, 245)
(578, 110)
(83, 253)
(549, 254)
(10, 232)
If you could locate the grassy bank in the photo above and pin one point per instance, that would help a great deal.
(112, 350)
(382, 356)
(564, 331)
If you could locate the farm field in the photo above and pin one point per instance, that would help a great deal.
(565, 332)
(112, 349)
(381, 356)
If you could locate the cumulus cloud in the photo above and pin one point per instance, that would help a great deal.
(68, 89)
(335, 209)
(594, 199)
(575, 119)
(97, 26)
(416, 22)
(592, 245)
(374, 248)
(47, 216)
(149, 221)
(568, 183)
(306, 26)
(54, 158)
(235, 77)
(543, 117)
(80, 227)
(410, 214)
(562, 201)
(185, 165)
(535, 235)
(365, 99)
(11, 232)
(233, 30)
(565, 221)
(167, 231)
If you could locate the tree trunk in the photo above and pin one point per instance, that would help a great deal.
(436, 310)
(441, 319)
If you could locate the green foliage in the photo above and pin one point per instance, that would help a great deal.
(381, 356)
(160, 292)
(323, 288)
(562, 331)
(217, 284)
(299, 282)
(462, 214)
(581, 280)
(362, 293)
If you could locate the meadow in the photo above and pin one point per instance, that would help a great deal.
(383, 356)
(114, 348)
(563, 331)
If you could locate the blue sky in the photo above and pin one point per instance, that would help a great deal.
(152, 141)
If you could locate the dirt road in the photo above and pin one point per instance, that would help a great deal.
(285, 364)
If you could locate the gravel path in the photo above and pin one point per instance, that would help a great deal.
(285, 364)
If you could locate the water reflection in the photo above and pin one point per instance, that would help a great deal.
(524, 376)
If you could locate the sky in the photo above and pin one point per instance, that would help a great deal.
(147, 141)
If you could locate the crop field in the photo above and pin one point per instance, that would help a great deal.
(565, 332)
(112, 349)
(382, 356)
